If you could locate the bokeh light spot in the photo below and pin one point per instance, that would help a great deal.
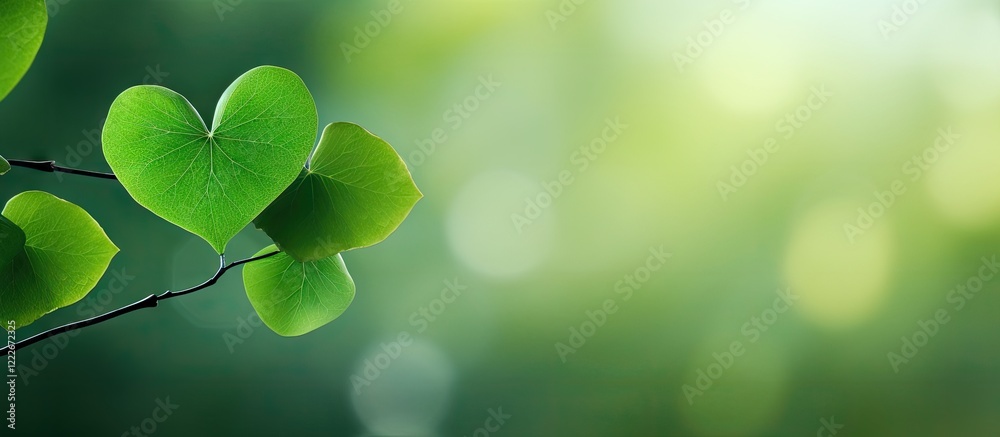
(482, 230)
(840, 282)
(408, 396)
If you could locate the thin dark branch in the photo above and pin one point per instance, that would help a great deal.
(52, 167)
(147, 302)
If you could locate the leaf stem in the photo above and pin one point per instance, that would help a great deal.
(146, 302)
(52, 167)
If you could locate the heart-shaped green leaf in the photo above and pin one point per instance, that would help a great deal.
(64, 254)
(4, 166)
(355, 193)
(293, 298)
(212, 182)
(22, 27)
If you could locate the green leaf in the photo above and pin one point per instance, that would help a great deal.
(294, 298)
(4, 165)
(22, 27)
(212, 182)
(11, 241)
(65, 253)
(355, 193)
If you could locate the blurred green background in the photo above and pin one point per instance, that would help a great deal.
(894, 74)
